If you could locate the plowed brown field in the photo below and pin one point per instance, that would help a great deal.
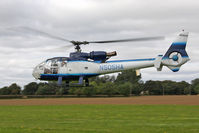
(180, 100)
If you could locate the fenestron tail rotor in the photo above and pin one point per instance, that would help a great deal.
(78, 43)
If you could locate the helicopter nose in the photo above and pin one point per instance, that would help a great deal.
(38, 70)
(36, 73)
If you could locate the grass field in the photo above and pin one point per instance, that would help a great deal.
(99, 118)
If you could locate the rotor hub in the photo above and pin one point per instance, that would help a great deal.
(78, 43)
(175, 57)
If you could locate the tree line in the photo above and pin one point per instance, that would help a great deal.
(126, 83)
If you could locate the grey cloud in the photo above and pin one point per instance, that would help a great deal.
(94, 20)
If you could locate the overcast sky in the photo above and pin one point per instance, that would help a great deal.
(21, 51)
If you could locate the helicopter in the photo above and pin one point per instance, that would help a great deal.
(81, 66)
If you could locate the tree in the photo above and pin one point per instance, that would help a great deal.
(98, 87)
(137, 88)
(125, 89)
(61, 90)
(5, 91)
(182, 87)
(30, 89)
(46, 89)
(153, 87)
(103, 79)
(14, 89)
(194, 83)
(89, 91)
(196, 89)
(108, 88)
(169, 87)
(76, 91)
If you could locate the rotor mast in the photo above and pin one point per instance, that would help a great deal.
(77, 45)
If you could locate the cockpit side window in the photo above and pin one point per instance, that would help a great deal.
(64, 61)
(63, 64)
(53, 64)
(48, 63)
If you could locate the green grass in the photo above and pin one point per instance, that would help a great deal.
(100, 118)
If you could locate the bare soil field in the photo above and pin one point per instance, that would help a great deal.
(178, 100)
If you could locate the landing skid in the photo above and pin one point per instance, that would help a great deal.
(83, 82)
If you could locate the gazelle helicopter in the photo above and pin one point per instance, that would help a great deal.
(81, 65)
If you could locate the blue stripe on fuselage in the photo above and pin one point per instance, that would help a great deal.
(66, 76)
(130, 60)
(72, 74)
(149, 59)
(179, 43)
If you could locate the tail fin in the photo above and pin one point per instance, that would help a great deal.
(176, 55)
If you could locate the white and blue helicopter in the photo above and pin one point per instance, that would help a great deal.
(80, 65)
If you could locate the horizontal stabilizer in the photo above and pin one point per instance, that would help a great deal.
(158, 63)
(174, 69)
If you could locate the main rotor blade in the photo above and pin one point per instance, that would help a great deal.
(130, 40)
(41, 33)
(59, 49)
